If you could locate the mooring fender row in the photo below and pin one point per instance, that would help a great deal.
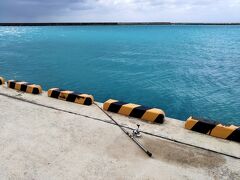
(135, 110)
(204, 126)
(71, 96)
(25, 86)
(2, 81)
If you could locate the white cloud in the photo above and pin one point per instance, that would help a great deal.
(120, 10)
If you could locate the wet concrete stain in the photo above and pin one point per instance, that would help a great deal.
(182, 154)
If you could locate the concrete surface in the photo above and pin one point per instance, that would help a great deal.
(39, 142)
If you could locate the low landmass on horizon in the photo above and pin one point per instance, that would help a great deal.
(109, 23)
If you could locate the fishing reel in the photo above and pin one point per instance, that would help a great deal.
(136, 132)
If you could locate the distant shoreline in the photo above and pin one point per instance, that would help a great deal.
(108, 23)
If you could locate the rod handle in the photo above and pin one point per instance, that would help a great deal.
(149, 154)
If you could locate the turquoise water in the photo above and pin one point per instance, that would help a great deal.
(185, 70)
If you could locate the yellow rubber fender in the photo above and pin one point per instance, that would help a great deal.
(135, 110)
(25, 86)
(229, 132)
(2, 81)
(71, 96)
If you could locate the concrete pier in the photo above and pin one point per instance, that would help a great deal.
(45, 138)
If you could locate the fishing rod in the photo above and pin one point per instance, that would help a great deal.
(127, 133)
(106, 121)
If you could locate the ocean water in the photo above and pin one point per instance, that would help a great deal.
(185, 70)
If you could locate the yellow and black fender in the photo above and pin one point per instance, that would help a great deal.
(135, 110)
(2, 81)
(25, 87)
(71, 96)
(204, 126)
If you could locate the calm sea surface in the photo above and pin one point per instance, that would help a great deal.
(185, 70)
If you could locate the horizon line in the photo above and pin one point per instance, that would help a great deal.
(109, 23)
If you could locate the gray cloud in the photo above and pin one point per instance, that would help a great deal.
(119, 10)
(34, 10)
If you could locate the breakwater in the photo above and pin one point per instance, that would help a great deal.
(106, 23)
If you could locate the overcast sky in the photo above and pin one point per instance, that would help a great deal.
(119, 10)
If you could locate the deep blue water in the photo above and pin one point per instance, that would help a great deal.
(185, 70)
